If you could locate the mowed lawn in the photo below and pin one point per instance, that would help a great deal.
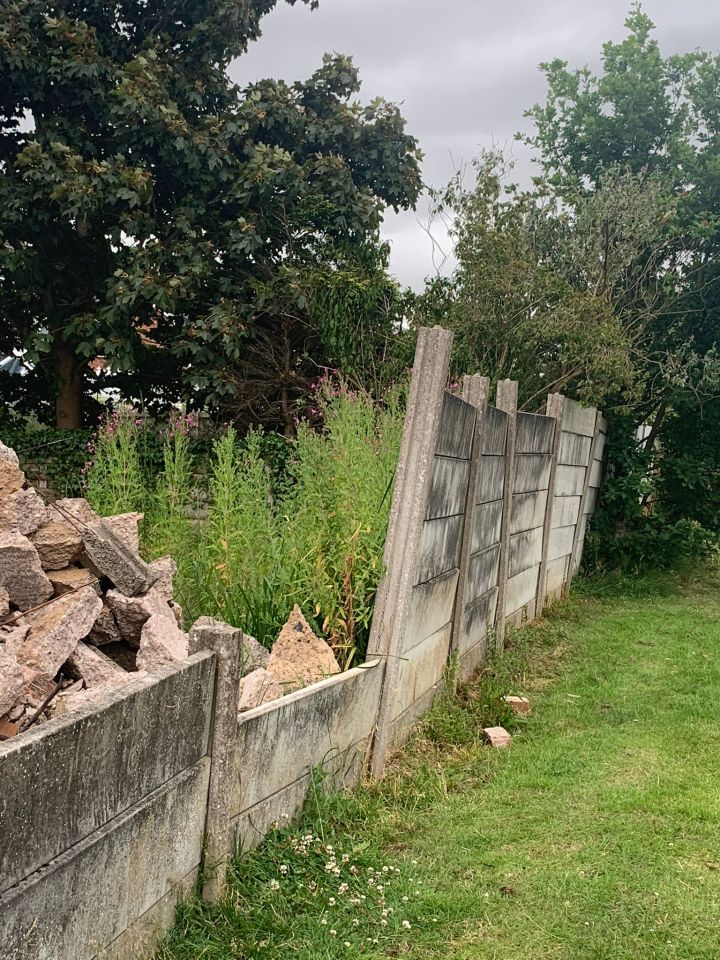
(595, 837)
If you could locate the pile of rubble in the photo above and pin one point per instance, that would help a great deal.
(81, 612)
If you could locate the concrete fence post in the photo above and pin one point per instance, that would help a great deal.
(407, 514)
(506, 400)
(555, 406)
(225, 642)
(475, 392)
(583, 503)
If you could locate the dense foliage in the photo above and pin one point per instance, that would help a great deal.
(187, 231)
(273, 522)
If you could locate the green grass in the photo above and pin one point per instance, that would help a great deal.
(595, 837)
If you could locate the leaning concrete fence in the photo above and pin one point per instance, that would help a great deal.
(107, 814)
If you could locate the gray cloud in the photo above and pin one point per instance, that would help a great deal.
(464, 70)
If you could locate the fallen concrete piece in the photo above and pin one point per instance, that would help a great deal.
(161, 642)
(253, 655)
(518, 705)
(257, 687)
(11, 478)
(125, 525)
(20, 571)
(12, 679)
(57, 544)
(72, 578)
(111, 556)
(132, 613)
(164, 570)
(105, 629)
(72, 508)
(497, 737)
(298, 657)
(89, 664)
(23, 511)
(8, 455)
(57, 628)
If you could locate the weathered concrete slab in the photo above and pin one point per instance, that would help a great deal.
(421, 669)
(561, 542)
(532, 472)
(431, 607)
(528, 511)
(85, 898)
(521, 589)
(478, 619)
(593, 495)
(113, 558)
(448, 488)
(341, 770)
(495, 432)
(457, 423)
(574, 449)
(565, 511)
(525, 550)
(535, 433)
(596, 473)
(490, 479)
(439, 547)
(73, 774)
(486, 525)
(483, 572)
(281, 742)
(578, 419)
(556, 574)
(569, 481)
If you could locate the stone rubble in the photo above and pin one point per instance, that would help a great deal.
(82, 613)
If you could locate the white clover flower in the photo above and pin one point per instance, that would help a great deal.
(323, 921)
(405, 899)
(333, 933)
(331, 901)
(343, 888)
(284, 868)
(385, 869)
(274, 885)
(406, 924)
(383, 923)
(346, 943)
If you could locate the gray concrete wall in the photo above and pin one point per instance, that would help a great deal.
(426, 640)
(576, 442)
(326, 727)
(533, 462)
(104, 823)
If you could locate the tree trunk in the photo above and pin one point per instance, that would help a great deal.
(68, 376)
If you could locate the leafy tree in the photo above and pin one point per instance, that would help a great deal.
(154, 214)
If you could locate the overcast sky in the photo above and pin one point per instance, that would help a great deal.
(463, 70)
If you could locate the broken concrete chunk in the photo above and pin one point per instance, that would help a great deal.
(72, 508)
(72, 578)
(20, 571)
(497, 737)
(518, 705)
(105, 629)
(12, 679)
(57, 544)
(57, 628)
(257, 687)
(161, 642)
(92, 666)
(23, 511)
(298, 657)
(131, 613)
(4, 603)
(11, 478)
(8, 455)
(164, 570)
(109, 554)
(177, 613)
(125, 525)
(253, 655)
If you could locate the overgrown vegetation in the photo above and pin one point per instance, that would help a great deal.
(592, 837)
(307, 526)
